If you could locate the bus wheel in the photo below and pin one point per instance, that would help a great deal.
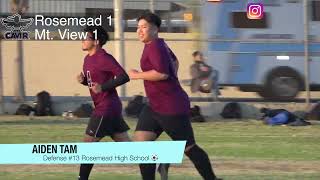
(283, 84)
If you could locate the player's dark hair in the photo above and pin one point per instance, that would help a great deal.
(102, 34)
(151, 18)
(196, 53)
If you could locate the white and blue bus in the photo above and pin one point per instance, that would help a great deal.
(263, 55)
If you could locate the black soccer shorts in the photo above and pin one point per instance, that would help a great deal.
(106, 126)
(178, 127)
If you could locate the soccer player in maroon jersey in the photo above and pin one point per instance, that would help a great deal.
(169, 104)
(102, 74)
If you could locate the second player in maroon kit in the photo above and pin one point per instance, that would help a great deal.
(169, 104)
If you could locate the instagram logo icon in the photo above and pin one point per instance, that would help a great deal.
(255, 11)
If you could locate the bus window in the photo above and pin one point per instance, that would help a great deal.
(315, 10)
(240, 20)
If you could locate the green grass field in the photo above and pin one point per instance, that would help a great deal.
(238, 150)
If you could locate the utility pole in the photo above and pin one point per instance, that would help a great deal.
(19, 7)
(151, 3)
(119, 37)
(2, 110)
(306, 53)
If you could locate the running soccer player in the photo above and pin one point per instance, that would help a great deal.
(102, 74)
(169, 104)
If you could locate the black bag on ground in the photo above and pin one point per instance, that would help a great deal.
(135, 106)
(85, 110)
(231, 110)
(24, 109)
(44, 104)
(195, 115)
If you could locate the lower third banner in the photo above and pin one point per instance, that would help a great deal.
(97, 153)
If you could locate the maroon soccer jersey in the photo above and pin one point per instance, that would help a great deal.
(100, 68)
(167, 96)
